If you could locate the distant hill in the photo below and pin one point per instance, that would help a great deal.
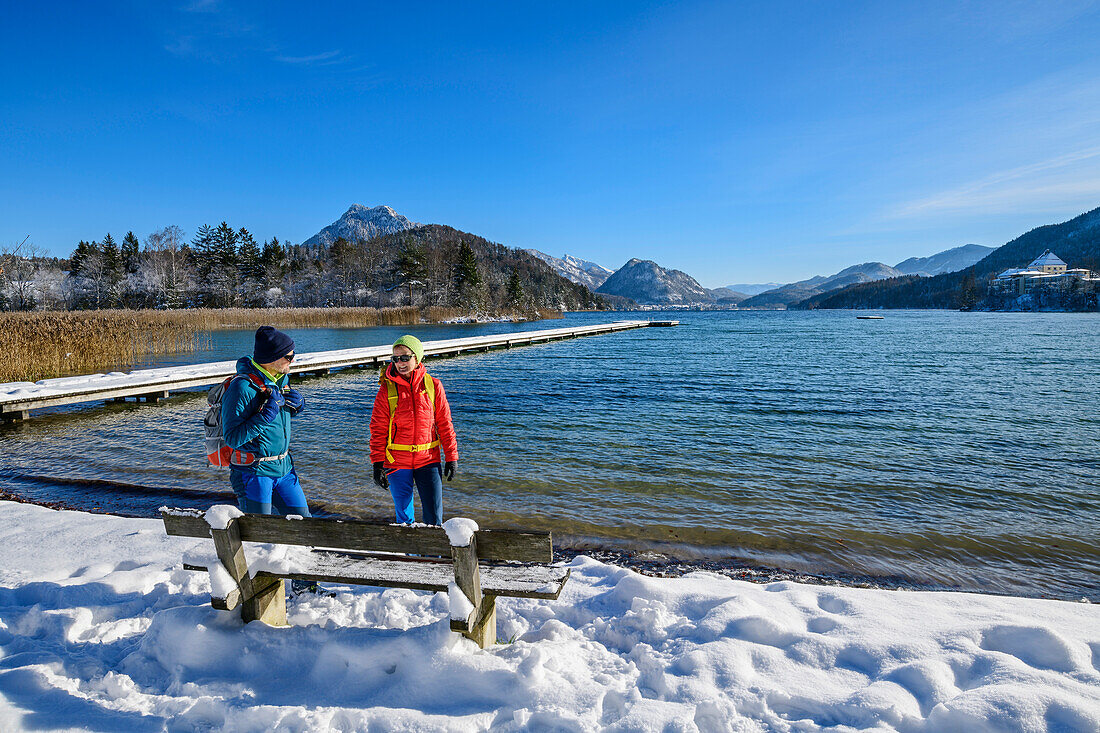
(1076, 241)
(439, 246)
(726, 296)
(788, 295)
(572, 268)
(949, 260)
(753, 288)
(358, 224)
(644, 281)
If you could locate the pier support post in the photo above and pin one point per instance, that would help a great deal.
(17, 416)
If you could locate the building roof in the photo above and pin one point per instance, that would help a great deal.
(1047, 259)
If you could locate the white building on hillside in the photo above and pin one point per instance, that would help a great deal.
(1047, 272)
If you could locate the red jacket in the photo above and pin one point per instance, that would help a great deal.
(413, 421)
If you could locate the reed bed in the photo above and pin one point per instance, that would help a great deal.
(51, 344)
(40, 345)
(217, 319)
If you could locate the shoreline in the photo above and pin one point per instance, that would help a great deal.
(105, 631)
(654, 564)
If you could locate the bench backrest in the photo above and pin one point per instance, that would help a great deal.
(493, 545)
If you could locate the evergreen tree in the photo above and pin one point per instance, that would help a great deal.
(272, 262)
(248, 256)
(112, 259)
(513, 292)
(412, 265)
(466, 277)
(342, 255)
(202, 243)
(969, 295)
(130, 255)
(79, 260)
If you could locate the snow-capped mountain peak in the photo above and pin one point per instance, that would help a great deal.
(573, 268)
(362, 223)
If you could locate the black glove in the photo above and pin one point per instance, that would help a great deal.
(293, 401)
(449, 469)
(380, 475)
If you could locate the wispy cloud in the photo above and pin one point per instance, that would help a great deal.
(1035, 148)
(328, 58)
(1068, 180)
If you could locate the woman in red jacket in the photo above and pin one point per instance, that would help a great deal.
(410, 421)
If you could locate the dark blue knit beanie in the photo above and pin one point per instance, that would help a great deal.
(271, 345)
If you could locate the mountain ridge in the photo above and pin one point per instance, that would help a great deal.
(1075, 240)
(360, 223)
(646, 282)
(582, 272)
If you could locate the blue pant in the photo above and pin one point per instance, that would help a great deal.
(429, 484)
(259, 494)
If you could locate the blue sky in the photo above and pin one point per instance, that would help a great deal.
(739, 142)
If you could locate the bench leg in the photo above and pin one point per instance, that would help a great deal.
(268, 604)
(484, 630)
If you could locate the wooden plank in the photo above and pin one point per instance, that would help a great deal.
(268, 604)
(259, 600)
(228, 603)
(502, 545)
(494, 545)
(516, 581)
(523, 581)
(467, 577)
(349, 534)
(184, 522)
(483, 632)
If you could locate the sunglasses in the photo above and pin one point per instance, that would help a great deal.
(289, 357)
(403, 358)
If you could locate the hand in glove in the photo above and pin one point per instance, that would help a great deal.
(293, 401)
(380, 475)
(271, 408)
(449, 469)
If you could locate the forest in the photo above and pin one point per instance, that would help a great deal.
(223, 266)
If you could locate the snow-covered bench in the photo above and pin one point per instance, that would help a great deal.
(473, 565)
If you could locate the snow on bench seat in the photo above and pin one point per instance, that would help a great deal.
(518, 581)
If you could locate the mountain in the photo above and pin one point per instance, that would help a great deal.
(786, 295)
(439, 249)
(949, 260)
(1076, 241)
(646, 282)
(753, 288)
(572, 268)
(360, 224)
(726, 296)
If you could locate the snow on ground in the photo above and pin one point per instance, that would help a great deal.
(101, 629)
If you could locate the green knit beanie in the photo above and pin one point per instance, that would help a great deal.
(412, 343)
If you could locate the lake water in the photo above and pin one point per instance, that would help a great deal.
(929, 449)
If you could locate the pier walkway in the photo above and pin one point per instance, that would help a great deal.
(17, 399)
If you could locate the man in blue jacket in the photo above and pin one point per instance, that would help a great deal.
(256, 424)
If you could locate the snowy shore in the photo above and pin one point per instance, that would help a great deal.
(101, 629)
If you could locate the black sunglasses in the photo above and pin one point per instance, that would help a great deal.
(289, 357)
(403, 358)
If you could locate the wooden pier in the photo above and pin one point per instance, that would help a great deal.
(17, 399)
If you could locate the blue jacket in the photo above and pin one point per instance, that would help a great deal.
(244, 430)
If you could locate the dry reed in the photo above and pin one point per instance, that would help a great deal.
(40, 345)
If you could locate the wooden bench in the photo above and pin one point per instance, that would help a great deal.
(495, 563)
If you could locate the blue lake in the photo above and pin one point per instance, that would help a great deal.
(936, 449)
